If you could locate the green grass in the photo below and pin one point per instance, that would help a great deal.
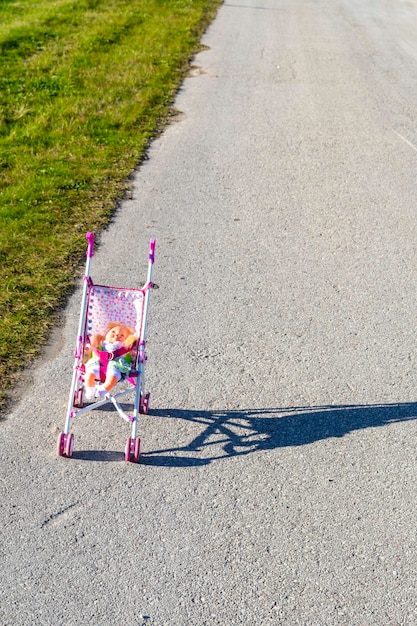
(84, 86)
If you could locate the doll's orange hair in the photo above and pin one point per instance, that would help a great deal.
(97, 340)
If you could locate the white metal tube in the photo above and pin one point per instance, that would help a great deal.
(81, 325)
(142, 340)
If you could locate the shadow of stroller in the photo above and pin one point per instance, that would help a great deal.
(233, 433)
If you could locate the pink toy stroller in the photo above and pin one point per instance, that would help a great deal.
(103, 307)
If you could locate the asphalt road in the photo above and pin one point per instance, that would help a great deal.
(278, 476)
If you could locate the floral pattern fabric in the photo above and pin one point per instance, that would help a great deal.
(114, 304)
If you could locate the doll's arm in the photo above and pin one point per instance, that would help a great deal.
(130, 341)
(97, 340)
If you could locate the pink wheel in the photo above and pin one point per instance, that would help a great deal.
(78, 398)
(69, 444)
(136, 450)
(128, 448)
(60, 444)
(132, 450)
(144, 403)
(79, 392)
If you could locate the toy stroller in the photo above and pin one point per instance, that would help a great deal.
(111, 347)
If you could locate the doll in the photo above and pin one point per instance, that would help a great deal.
(118, 340)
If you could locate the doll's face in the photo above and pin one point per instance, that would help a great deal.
(117, 333)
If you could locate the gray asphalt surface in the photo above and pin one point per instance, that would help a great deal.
(278, 476)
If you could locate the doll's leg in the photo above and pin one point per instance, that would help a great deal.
(91, 374)
(112, 378)
(110, 382)
(90, 379)
(113, 375)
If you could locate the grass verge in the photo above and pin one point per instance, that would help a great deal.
(84, 86)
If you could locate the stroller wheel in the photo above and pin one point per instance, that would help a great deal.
(144, 403)
(60, 444)
(132, 450)
(78, 398)
(69, 444)
(128, 448)
(78, 392)
(136, 451)
(65, 444)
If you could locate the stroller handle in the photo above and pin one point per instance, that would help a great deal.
(90, 249)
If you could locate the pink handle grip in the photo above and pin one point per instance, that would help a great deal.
(90, 249)
(152, 245)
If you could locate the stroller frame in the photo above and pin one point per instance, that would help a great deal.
(136, 378)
